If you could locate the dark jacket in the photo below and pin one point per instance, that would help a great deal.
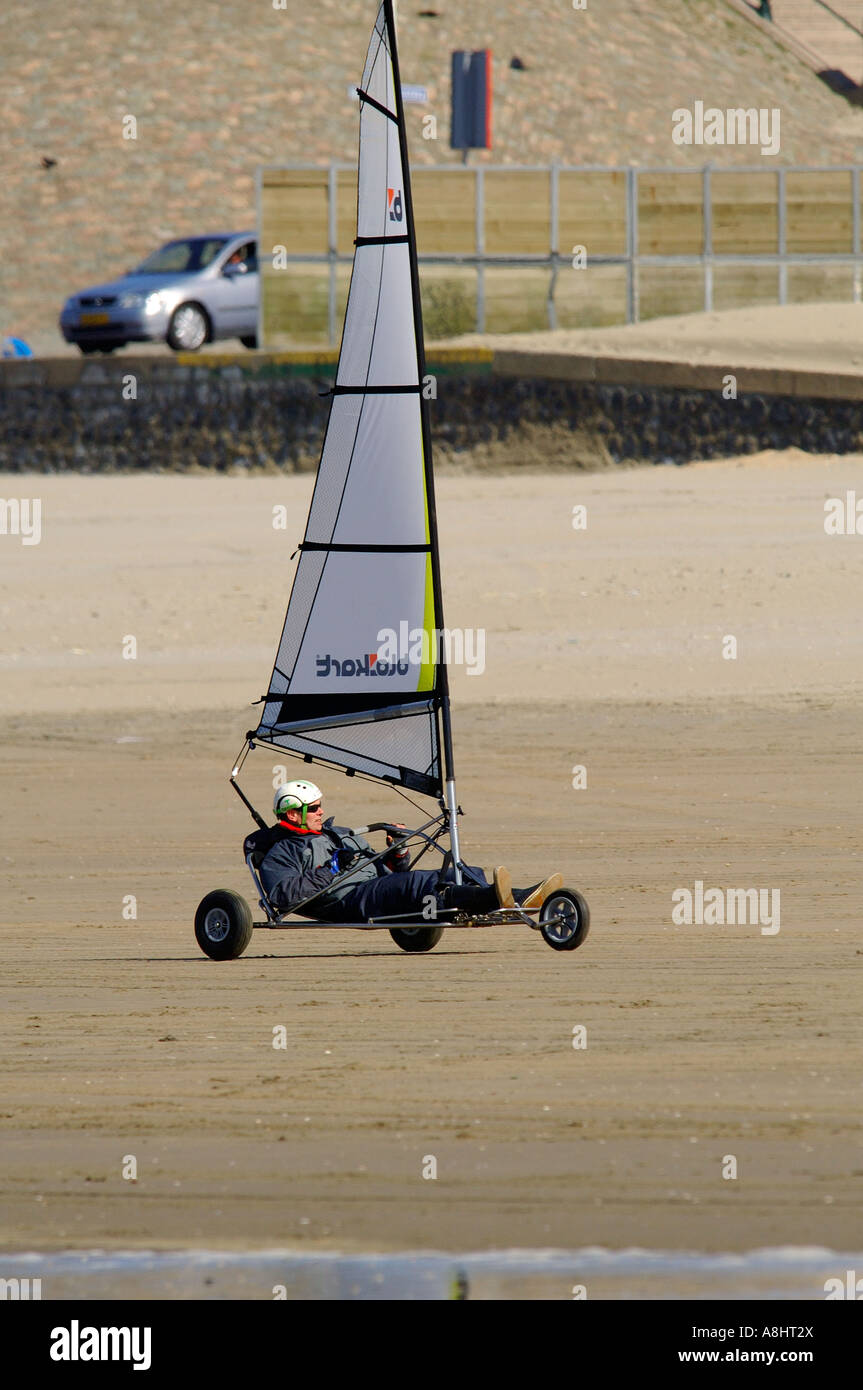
(299, 865)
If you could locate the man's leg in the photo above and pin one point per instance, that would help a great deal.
(416, 892)
(409, 892)
(477, 875)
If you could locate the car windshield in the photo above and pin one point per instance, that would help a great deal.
(177, 256)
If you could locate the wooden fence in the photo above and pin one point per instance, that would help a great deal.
(497, 245)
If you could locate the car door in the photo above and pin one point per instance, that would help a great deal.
(236, 294)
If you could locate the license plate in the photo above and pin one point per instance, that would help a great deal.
(94, 320)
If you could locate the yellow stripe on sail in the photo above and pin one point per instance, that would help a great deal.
(427, 670)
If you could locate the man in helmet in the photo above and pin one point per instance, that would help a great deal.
(310, 854)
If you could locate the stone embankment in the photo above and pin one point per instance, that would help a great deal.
(491, 411)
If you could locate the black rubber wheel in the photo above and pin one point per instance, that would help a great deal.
(251, 342)
(572, 907)
(189, 328)
(416, 938)
(223, 924)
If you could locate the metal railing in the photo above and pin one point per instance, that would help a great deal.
(632, 259)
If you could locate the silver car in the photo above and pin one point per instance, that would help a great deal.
(189, 292)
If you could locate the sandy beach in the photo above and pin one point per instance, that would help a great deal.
(790, 337)
(604, 648)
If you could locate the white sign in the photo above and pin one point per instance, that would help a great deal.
(411, 95)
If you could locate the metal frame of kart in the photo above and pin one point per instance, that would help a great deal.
(563, 919)
(447, 917)
(428, 836)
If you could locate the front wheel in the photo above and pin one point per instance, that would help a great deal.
(564, 920)
(188, 328)
(416, 938)
(223, 924)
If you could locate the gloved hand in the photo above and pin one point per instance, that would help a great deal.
(399, 859)
(342, 859)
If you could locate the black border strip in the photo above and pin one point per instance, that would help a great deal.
(375, 391)
(384, 110)
(380, 240)
(366, 549)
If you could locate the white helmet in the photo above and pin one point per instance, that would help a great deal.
(295, 796)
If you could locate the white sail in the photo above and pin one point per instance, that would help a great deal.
(356, 680)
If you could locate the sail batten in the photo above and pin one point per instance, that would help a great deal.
(358, 660)
(384, 110)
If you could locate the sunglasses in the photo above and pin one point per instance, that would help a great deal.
(312, 809)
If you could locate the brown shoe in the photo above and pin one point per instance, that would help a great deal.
(545, 889)
(503, 888)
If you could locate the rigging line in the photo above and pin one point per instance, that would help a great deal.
(332, 766)
(413, 803)
(276, 666)
(288, 678)
(318, 481)
(327, 760)
(302, 545)
(240, 758)
(335, 391)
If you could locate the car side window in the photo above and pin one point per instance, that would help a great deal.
(208, 251)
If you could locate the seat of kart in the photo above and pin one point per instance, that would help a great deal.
(258, 844)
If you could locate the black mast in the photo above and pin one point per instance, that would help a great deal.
(442, 680)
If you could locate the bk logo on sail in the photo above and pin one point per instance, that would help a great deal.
(394, 203)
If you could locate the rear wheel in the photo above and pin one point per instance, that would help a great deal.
(416, 938)
(250, 342)
(223, 924)
(564, 920)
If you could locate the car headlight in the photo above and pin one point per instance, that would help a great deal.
(131, 300)
(154, 302)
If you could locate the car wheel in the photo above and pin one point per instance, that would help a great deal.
(250, 341)
(189, 328)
